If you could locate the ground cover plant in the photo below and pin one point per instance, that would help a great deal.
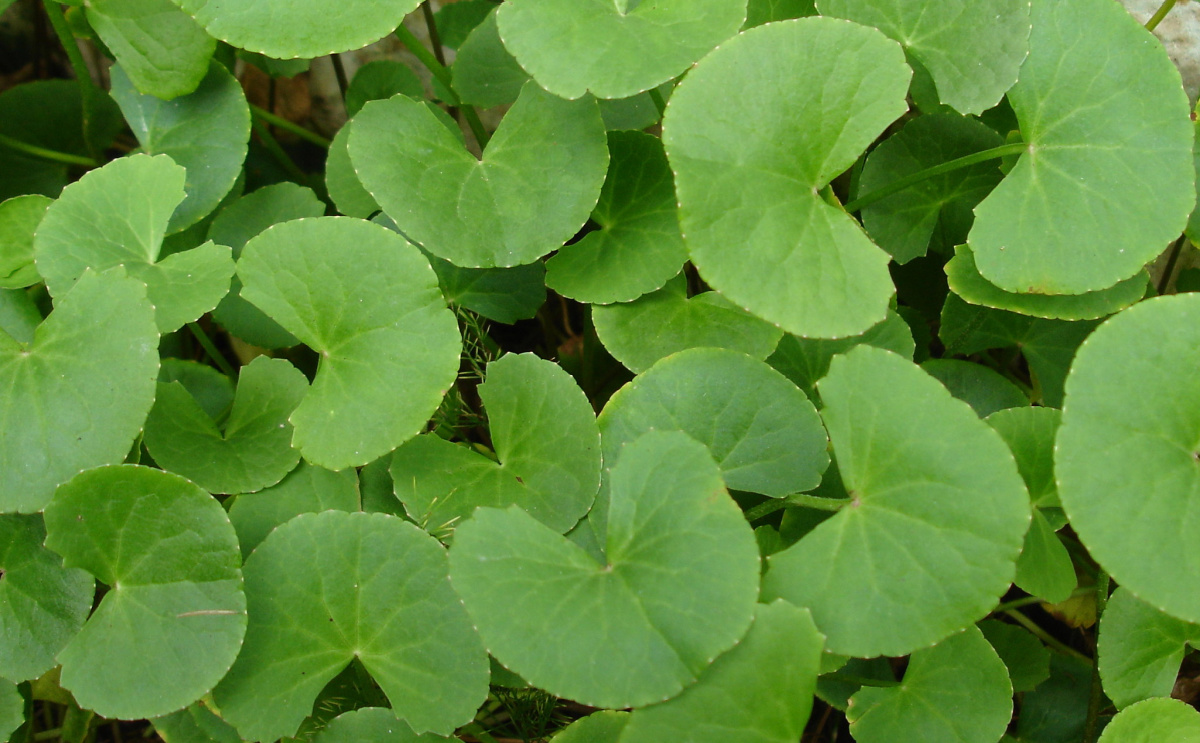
(623, 372)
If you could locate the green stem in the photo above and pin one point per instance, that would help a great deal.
(63, 30)
(48, 734)
(1176, 249)
(286, 125)
(268, 141)
(1045, 636)
(435, 39)
(1159, 14)
(210, 348)
(795, 500)
(443, 75)
(339, 71)
(45, 154)
(1096, 698)
(1027, 600)
(879, 194)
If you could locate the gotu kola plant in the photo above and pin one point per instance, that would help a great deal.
(771, 371)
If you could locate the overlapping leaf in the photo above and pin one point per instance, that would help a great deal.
(1027, 659)
(306, 489)
(1154, 720)
(753, 134)
(19, 219)
(806, 360)
(1140, 649)
(485, 74)
(981, 387)
(376, 724)
(164, 52)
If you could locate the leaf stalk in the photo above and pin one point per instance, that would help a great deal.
(46, 154)
(442, 73)
(1160, 14)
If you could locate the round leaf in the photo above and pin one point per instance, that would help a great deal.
(342, 183)
(613, 49)
(367, 301)
(754, 133)
(77, 396)
(604, 726)
(678, 588)
(937, 514)
(1107, 181)
(324, 589)
(162, 50)
(1127, 458)
(1152, 721)
(1140, 649)
(485, 74)
(540, 176)
(19, 218)
(382, 78)
(306, 489)
(173, 620)
(375, 724)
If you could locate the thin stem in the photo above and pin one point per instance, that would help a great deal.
(268, 141)
(210, 348)
(286, 125)
(659, 103)
(46, 154)
(435, 39)
(1159, 14)
(443, 75)
(924, 175)
(1165, 279)
(1045, 636)
(339, 70)
(1096, 698)
(795, 500)
(67, 39)
(1027, 600)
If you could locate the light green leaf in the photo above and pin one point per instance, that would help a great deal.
(195, 724)
(19, 219)
(1152, 721)
(347, 192)
(971, 49)
(753, 134)
(761, 690)
(938, 209)
(540, 176)
(1029, 433)
(613, 50)
(485, 74)
(306, 489)
(637, 247)
(382, 78)
(287, 29)
(678, 588)
(12, 708)
(545, 436)
(929, 540)
(957, 691)
(76, 397)
(244, 218)
(173, 620)
(249, 450)
(375, 724)
(1027, 659)
(42, 604)
(1108, 178)
(763, 432)
(391, 607)
(19, 316)
(1127, 455)
(1140, 649)
(367, 301)
(965, 281)
(455, 21)
(206, 131)
(984, 389)
(604, 726)
(658, 324)
(164, 52)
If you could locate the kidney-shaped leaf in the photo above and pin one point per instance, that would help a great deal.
(754, 133)
(1107, 180)
(613, 49)
(539, 179)
(174, 616)
(1152, 721)
(324, 589)
(1128, 462)
(1140, 649)
(937, 515)
(368, 302)
(678, 589)
(77, 396)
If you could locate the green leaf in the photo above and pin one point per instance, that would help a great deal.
(116, 216)
(206, 131)
(1027, 659)
(937, 516)
(173, 620)
(957, 691)
(1044, 568)
(375, 724)
(455, 21)
(382, 78)
(195, 724)
(1152, 721)
(485, 74)
(972, 50)
(753, 134)
(210, 388)
(19, 219)
(1140, 649)
(250, 450)
(763, 432)
(287, 29)
(346, 191)
(391, 607)
(984, 389)
(1108, 178)
(613, 50)
(604, 726)
(234, 225)
(761, 690)
(759, 12)
(540, 176)
(1127, 459)
(367, 301)
(678, 588)
(19, 316)
(76, 397)
(938, 209)
(42, 604)
(12, 708)
(306, 489)
(965, 280)
(658, 324)
(1056, 711)
(545, 437)
(505, 295)
(638, 246)
(162, 50)
(1029, 433)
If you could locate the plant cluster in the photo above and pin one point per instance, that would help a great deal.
(773, 371)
